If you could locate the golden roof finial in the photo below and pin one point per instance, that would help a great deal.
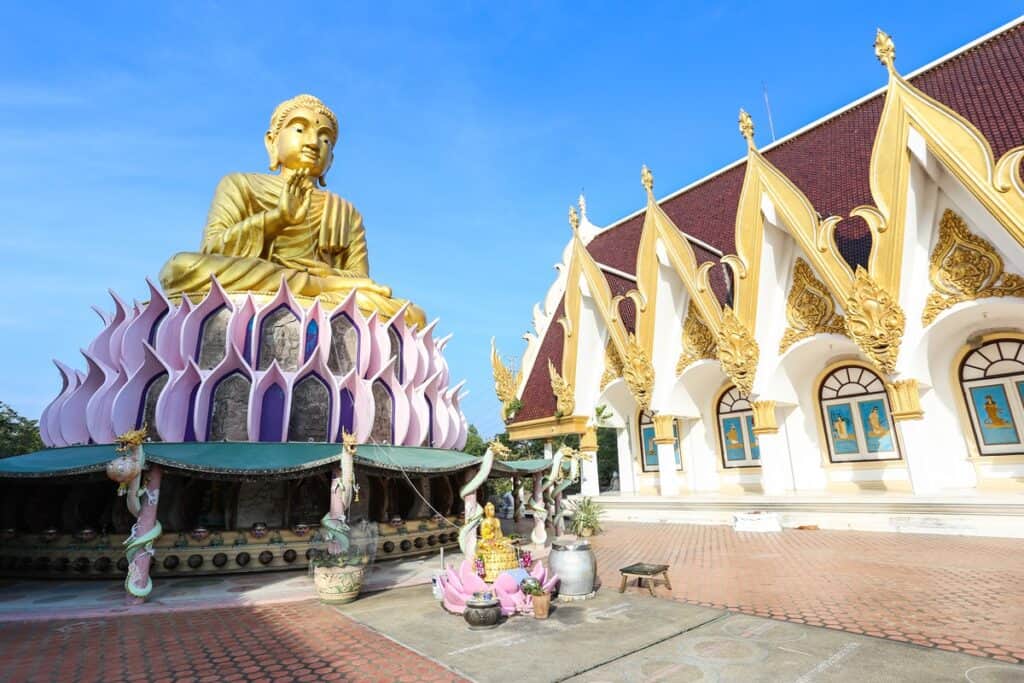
(885, 49)
(583, 205)
(747, 128)
(574, 218)
(647, 178)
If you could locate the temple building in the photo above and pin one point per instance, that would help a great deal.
(836, 314)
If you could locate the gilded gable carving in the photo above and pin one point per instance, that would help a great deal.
(964, 267)
(612, 365)
(874, 321)
(698, 340)
(737, 351)
(565, 399)
(638, 372)
(810, 309)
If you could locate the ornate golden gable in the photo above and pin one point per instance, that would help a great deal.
(698, 340)
(874, 321)
(964, 267)
(737, 351)
(810, 309)
(565, 399)
(506, 383)
(638, 372)
(612, 365)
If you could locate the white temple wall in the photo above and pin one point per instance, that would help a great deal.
(668, 341)
(592, 335)
(778, 253)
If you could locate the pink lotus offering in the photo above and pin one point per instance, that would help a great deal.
(458, 587)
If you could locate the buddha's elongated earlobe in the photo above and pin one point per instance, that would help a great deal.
(322, 180)
(268, 142)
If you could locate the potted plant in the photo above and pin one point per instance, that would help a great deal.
(540, 598)
(586, 517)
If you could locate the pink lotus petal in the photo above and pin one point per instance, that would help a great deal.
(551, 583)
(450, 577)
(505, 584)
(538, 572)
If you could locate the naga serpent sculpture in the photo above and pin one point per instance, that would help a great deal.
(474, 511)
(552, 486)
(334, 528)
(137, 545)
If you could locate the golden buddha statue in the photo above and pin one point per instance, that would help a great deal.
(496, 551)
(264, 227)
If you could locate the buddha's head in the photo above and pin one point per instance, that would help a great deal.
(489, 510)
(302, 134)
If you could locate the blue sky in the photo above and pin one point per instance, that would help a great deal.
(467, 129)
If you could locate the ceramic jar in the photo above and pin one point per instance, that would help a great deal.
(338, 585)
(483, 611)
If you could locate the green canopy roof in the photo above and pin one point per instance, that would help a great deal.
(245, 459)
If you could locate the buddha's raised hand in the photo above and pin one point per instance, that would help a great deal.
(296, 196)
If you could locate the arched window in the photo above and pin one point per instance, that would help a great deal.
(992, 378)
(649, 461)
(858, 422)
(736, 430)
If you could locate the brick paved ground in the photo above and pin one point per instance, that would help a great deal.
(296, 642)
(956, 593)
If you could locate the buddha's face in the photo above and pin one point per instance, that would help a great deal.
(305, 141)
(489, 510)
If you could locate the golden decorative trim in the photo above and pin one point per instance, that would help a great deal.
(506, 383)
(964, 267)
(737, 351)
(500, 450)
(747, 128)
(906, 400)
(810, 309)
(588, 440)
(794, 214)
(565, 400)
(764, 417)
(547, 427)
(638, 372)
(955, 142)
(612, 365)
(664, 432)
(698, 340)
(885, 49)
(874, 321)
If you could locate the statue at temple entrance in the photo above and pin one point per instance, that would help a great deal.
(264, 227)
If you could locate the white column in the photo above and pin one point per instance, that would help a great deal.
(917, 441)
(776, 468)
(589, 484)
(549, 449)
(665, 444)
(627, 478)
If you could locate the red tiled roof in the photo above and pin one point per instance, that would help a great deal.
(537, 399)
(829, 163)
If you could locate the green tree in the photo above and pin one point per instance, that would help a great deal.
(17, 434)
(475, 444)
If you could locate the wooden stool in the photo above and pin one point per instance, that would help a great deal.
(642, 571)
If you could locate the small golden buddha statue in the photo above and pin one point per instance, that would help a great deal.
(490, 527)
(264, 227)
(496, 551)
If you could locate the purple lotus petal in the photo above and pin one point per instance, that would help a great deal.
(374, 371)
